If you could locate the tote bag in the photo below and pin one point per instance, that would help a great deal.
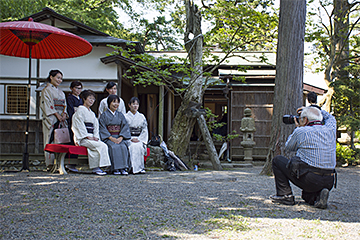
(61, 134)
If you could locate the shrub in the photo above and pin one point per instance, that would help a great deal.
(345, 155)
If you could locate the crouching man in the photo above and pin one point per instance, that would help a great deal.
(313, 167)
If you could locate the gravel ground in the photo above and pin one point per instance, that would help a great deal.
(231, 204)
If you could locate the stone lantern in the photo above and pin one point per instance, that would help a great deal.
(248, 129)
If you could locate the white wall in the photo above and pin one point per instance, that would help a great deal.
(85, 67)
(82, 68)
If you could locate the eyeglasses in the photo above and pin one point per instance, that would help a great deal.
(78, 88)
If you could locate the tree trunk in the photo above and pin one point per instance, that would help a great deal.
(183, 125)
(338, 50)
(289, 75)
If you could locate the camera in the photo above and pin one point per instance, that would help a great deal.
(289, 119)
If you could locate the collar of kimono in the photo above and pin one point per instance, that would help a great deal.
(113, 113)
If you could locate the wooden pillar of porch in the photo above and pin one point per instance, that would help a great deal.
(161, 112)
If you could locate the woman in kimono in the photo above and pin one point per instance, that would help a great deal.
(114, 130)
(85, 126)
(139, 136)
(73, 102)
(111, 89)
(53, 106)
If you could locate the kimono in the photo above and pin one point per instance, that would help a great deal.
(73, 102)
(115, 125)
(138, 129)
(52, 101)
(103, 106)
(85, 124)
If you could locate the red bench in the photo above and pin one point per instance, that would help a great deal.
(62, 150)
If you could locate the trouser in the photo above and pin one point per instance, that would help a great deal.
(310, 179)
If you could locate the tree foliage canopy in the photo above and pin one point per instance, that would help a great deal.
(98, 14)
(347, 99)
(322, 32)
(241, 25)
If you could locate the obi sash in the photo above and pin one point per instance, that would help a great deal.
(114, 129)
(59, 104)
(89, 127)
(135, 131)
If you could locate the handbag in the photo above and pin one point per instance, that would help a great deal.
(61, 134)
(155, 140)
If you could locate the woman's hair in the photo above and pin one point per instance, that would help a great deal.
(112, 98)
(312, 97)
(53, 73)
(75, 84)
(86, 93)
(109, 85)
(134, 99)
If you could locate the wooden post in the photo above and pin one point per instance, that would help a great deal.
(119, 76)
(170, 110)
(161, 112)
(37, 135)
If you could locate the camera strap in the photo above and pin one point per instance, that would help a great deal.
(312, 123)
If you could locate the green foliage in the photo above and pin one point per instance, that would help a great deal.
(345, 155)
(98, 14)
(169, 71)
(211, 120)
(324, 36)
(347, 99)
(158, 35)
(241, 25)
(212, 124)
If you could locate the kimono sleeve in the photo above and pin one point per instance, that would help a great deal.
(104, 132)
(144, 135)
(96, 127)
(70, 106)
(125, 129)
(102, 107)
(47, 102)
(122, 108)
(78, 125)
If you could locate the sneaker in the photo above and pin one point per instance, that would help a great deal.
(98, 171)
(286, 199)
(71, 168)
(143, 171)
(123, 172)
(322, 199)
(117, 172)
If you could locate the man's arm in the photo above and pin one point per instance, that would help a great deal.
(329, 120)
(292, 143)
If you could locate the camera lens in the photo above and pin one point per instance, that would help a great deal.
(289, 119)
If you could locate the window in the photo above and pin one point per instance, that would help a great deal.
(16, 99)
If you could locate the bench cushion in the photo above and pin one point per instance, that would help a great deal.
(61, 148)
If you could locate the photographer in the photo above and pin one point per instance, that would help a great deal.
(313, 167)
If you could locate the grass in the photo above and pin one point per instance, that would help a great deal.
(227, 221)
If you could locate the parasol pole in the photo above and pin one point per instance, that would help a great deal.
(25, 161)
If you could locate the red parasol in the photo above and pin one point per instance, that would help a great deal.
(28, 39)
(45, 41)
